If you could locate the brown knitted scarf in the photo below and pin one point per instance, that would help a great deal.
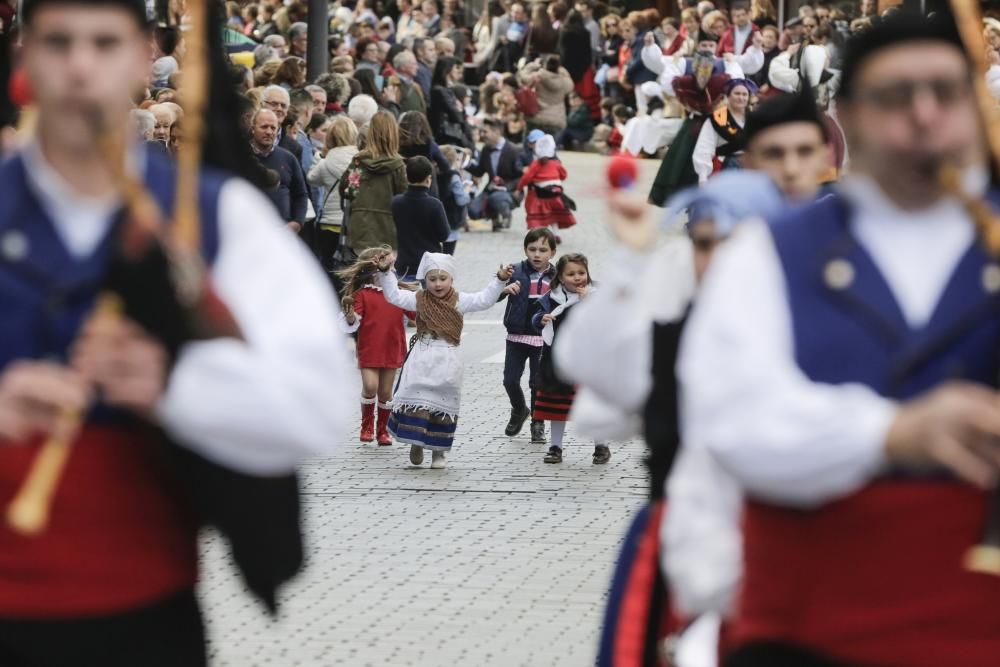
(439, 317)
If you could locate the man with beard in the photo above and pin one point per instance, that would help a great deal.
(698, 83)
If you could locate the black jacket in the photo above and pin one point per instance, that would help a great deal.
(447, 121)
(421, 226)
(521, 307)
(290, 196)
(507, 167)
(290, 145)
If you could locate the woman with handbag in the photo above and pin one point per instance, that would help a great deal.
(341, 147)
(447, 117)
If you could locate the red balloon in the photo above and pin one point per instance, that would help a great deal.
(622, 172)
(20, 90)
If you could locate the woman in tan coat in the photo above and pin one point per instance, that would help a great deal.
(552, 83)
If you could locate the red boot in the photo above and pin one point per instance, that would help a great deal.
(367, 419)
(384, 412)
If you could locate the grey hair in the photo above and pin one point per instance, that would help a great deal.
(361, 109)
(262, 53)
(271, 39)
(297, 29)
(402, 57)
(144, 121)
(266, 95)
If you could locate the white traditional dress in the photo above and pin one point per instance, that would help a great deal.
(427, 397)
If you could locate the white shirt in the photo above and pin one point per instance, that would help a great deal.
(785, 438)
(670, 67)
(613, 364)
(705, 148)
(751, 419)
(263, 404)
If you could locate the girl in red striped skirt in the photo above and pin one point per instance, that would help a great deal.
(554, 398)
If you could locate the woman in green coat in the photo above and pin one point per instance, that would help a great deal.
(376, 175)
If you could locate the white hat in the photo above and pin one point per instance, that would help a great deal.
(436, 261)
(545, 147)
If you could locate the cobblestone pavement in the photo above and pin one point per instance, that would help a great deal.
(498, 560)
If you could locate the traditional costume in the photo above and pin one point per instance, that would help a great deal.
(120, 554)
(110, 580)
(809, 69)
(379, 325)
(546, 204)
(722, 138)
(698, 84)
(554, 397)
(427, 397)
(857, 305)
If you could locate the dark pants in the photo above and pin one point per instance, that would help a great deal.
(166, 634)
(572, 136)
(513, 369)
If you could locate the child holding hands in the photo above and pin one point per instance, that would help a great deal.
(427, 397)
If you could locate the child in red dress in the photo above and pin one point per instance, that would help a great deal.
(546, 203)
(381, 341)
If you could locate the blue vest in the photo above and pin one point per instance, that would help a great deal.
(45, 292)
(848, 327)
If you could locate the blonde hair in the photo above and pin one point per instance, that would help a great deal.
(343, 132)
(382, 138)
(450, 153)
(760, 9)
(265, 73)
(712, 17)
(362, 272)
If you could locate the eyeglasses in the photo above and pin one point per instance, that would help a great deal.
(275, 105)
(899, 96)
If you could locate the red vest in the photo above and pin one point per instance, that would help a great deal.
(875, 579)
(119, 537)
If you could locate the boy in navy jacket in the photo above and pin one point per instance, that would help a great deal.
(528, 284)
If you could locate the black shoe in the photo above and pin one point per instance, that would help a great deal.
(516, 422)
(538, 431)
(554, 455)
(506, 220)
(497, 225)
(601, 454)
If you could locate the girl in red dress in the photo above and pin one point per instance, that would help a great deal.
(546, 204)
(381, 341)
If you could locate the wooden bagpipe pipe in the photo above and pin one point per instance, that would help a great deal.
(157, 278)
(985, 556)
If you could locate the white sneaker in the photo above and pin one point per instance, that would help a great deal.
(437, 460)
(416, 455)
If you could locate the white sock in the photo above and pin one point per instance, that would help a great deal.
(556, 432)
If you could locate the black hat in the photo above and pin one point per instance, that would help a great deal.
(901, 26)
(136, 7)
(797, 107)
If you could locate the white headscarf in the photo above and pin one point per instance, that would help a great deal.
(436, 261)
(545, 147)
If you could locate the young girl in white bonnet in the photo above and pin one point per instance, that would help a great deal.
(427, 396)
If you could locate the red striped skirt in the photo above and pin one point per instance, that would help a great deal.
(552, 407)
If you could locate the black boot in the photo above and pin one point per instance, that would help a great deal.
(516, 423)
(601, 454)
(538, 431)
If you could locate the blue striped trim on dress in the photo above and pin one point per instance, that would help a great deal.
(420, 431)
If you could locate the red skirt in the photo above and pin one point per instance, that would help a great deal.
(547, 212)
(552, 407)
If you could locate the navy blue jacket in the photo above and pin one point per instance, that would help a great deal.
(290, 196)
(421, 226)
(521, 307)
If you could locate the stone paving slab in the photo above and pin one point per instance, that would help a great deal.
(499, 559)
